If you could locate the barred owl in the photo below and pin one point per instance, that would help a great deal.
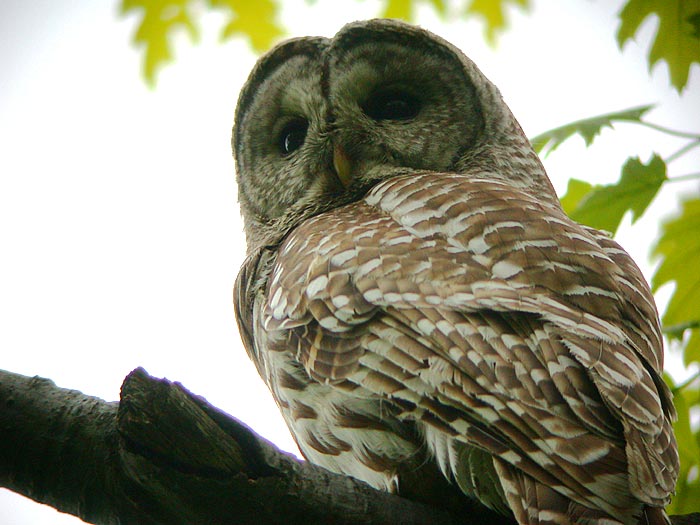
(419, 305)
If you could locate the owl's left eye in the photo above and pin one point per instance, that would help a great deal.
(293, 135)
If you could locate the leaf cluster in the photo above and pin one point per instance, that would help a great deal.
(677, 40)
(257, 21)
(161, 20)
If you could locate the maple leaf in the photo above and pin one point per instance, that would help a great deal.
(576, 190)
(604, 206)
(159, 20)
(256, 20)
(677, 40)
(405, 9)
(493, 13)
(679, 249)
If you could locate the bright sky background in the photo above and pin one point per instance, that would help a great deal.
(120, 236)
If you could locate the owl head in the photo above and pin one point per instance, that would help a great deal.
(320, 121)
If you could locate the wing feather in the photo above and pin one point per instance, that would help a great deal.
(482, 312)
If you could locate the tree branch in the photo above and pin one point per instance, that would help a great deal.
(163, 455)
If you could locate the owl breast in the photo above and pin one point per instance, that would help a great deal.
(340, 427)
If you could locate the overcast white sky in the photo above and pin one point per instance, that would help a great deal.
(120, 236)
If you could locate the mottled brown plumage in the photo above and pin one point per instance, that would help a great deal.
(414, 294)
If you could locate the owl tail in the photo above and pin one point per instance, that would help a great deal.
(533, 503)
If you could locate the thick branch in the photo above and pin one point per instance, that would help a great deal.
(163, 455)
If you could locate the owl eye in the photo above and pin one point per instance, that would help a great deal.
(293, 135)
(392, 104)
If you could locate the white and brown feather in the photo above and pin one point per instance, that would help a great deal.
(477, 311)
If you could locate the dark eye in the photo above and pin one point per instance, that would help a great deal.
(293, 135)
(392, 104)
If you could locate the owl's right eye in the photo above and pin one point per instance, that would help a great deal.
(392, 104)
(292, 136)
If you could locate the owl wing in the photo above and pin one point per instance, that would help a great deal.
(494, 319)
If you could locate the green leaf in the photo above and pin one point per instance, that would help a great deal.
(679, 248)
(576, 190)
(687, 496)
(676, 41)
(604, 206)
(256, 20)
(402, 9)
(439, 6)
(493, 13)
(405, 9)
(694, 20)
(160, 19)
(588, 128)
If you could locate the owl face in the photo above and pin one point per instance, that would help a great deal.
(395, 102)
(321, 121)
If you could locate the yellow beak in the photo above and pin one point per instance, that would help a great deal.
(342, 166)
